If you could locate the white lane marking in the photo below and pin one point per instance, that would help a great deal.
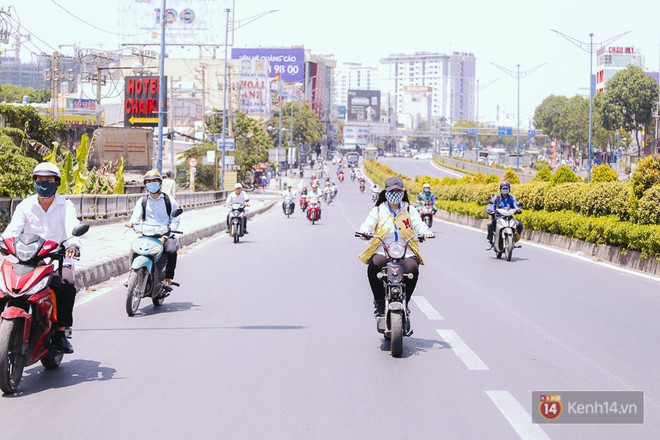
(444, 170)
(465, 353)
(515, 414)
(569, 254)
(426, 308)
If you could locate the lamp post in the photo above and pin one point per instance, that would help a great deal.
(518, 75)
(224, 105)
(589, 47)
(161, 88)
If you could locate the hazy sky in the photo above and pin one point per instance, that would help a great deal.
(507, 33)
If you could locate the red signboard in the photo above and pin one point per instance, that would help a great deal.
(141, 101)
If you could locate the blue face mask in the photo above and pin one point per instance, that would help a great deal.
(505, 191)
(45, 189)
(394, 197)
(153, 187)
(427, 190)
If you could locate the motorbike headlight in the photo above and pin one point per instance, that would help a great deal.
(25, 252)
(156, 250)
(38, 287)
(397, 250)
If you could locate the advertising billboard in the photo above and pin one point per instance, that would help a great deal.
(141, 101)
(363, 106)
(289, 62)
(255, 90)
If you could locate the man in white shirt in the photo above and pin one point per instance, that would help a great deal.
(169, 185)
(51, 217)
(237, 196)
(289, 195)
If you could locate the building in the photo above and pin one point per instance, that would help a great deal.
(450, 79)
(354, 76)
(611, 60)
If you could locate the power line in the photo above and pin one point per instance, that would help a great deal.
(93, 25)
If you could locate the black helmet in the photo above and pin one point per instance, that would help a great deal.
(505, 184)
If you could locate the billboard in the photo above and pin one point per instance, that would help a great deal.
(188, 21)
(289, 62)
(255, 90)
(363, 106)
(341, 112)
(141, 101)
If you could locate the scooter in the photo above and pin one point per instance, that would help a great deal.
(341, 176)
(288, 206)
(395, 324)
(28, 306)
(303, 202)
(374, 196)
(506, 235)
(426, 212)
(313, 210)
(353, 174)
(362, 185)
(236, 221)
(148, 265)
(327, 196)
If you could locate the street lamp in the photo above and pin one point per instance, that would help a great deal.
(589, 47)
(517, 74)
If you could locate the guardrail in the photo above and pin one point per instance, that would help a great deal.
(474, 168)
(106, 207)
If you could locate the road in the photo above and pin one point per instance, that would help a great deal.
(413, 167)
(274, 338)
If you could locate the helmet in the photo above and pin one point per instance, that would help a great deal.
(426, 185)
(315, 184)
(46, 169)
(238, 185)
(505, 184)
(152, 175)
(169, 173)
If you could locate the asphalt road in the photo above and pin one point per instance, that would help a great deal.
(274, 338)
(414, 167)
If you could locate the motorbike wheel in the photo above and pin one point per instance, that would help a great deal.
(136, 283)
(158, 301)
(498, 255)
(12, 362)
(52, 360)
(396, 334)
(508, 247)
(428, 220)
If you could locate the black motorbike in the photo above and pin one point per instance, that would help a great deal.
(395, 324)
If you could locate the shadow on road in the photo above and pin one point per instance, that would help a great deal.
(415, 346)
(243, 327)
(166, 308)
(77, 371)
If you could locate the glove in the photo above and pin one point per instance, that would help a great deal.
(428, 235)
(72, 252)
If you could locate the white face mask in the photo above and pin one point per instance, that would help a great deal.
(505, 191)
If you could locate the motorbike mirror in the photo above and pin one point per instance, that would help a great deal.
(247, 200)
(80, 229)
(177, 212)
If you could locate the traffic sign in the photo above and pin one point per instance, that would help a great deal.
(471, 131)
(553, 144)
(140, 121)
(531, 132)
(229, 144)
(504, 131)
(192, 162)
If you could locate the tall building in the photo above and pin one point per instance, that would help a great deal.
(613, 59)
(354, 76)
(445, 83)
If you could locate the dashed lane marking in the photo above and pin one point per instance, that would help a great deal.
(464, 353)
(515, 414)
(426, 308)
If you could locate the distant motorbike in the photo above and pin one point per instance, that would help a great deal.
(327, 196)
(505, 233)
(301, 173)
(362, 185)
(313, 210)
(341, 176)
(28, 306)
(353, 174)
(288, 205)
(236, 221)
(374, 196)
(148, 263)
(426, 212)
(395, 324)
(303, 202)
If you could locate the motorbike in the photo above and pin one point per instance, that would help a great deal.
(506, 235)
(303, 202)
(248, 186)
(313, 210)
(327, 196)
(28, 306)
(361, 185)
(236, 221)
(353, 175)
(288, 206)
(148, 263)
(374, 196)
(426, 212)
(395, 324)
(341, 176)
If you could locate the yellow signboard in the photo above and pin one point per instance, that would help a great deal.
(133, 120)
(231, 178)
(79, 119)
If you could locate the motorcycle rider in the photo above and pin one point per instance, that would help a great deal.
(315, 193)
(288, 194)
(304, 191)
(426, 196)
(328, 189)
(169, 185)
(51, 217)
(157, 208)
(393, 220)
(375, 191)
(502, 200)
(237, 196)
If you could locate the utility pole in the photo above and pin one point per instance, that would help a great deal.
(55, 84)
(202, 72)
(98, 89)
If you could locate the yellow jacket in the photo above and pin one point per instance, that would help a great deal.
(380, 221)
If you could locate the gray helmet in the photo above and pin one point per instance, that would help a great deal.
(505, 184)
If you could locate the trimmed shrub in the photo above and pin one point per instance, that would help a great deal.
(531, 195)
(646, 175)
(564, 175)
(603, 173)
(540, 164)
(649, 207)
(569, 196)
(511, 176)
(492, 178)
(543, 175)
(609, 198)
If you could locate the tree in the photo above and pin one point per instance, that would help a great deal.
(252, 143)
(511, 176)
(306, 126)
(548, 116)
(33, 132)
(629, 101)
(14, 94)
(16, 174)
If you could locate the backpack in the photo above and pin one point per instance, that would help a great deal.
(168, 206)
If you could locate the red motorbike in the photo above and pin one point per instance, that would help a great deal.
(341, 176)
(361, 185)
(303, 202)
(28, 306)
(313, 210)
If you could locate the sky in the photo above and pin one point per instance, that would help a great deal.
(508, 33)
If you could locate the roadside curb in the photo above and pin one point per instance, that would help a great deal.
(120, 265)
(629, 259)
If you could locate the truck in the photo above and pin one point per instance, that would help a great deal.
(134, 144)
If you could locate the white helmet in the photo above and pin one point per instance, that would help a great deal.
(46, 169)
(238, 185)
(426, 185)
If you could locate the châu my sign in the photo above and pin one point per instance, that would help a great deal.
(141, 101)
